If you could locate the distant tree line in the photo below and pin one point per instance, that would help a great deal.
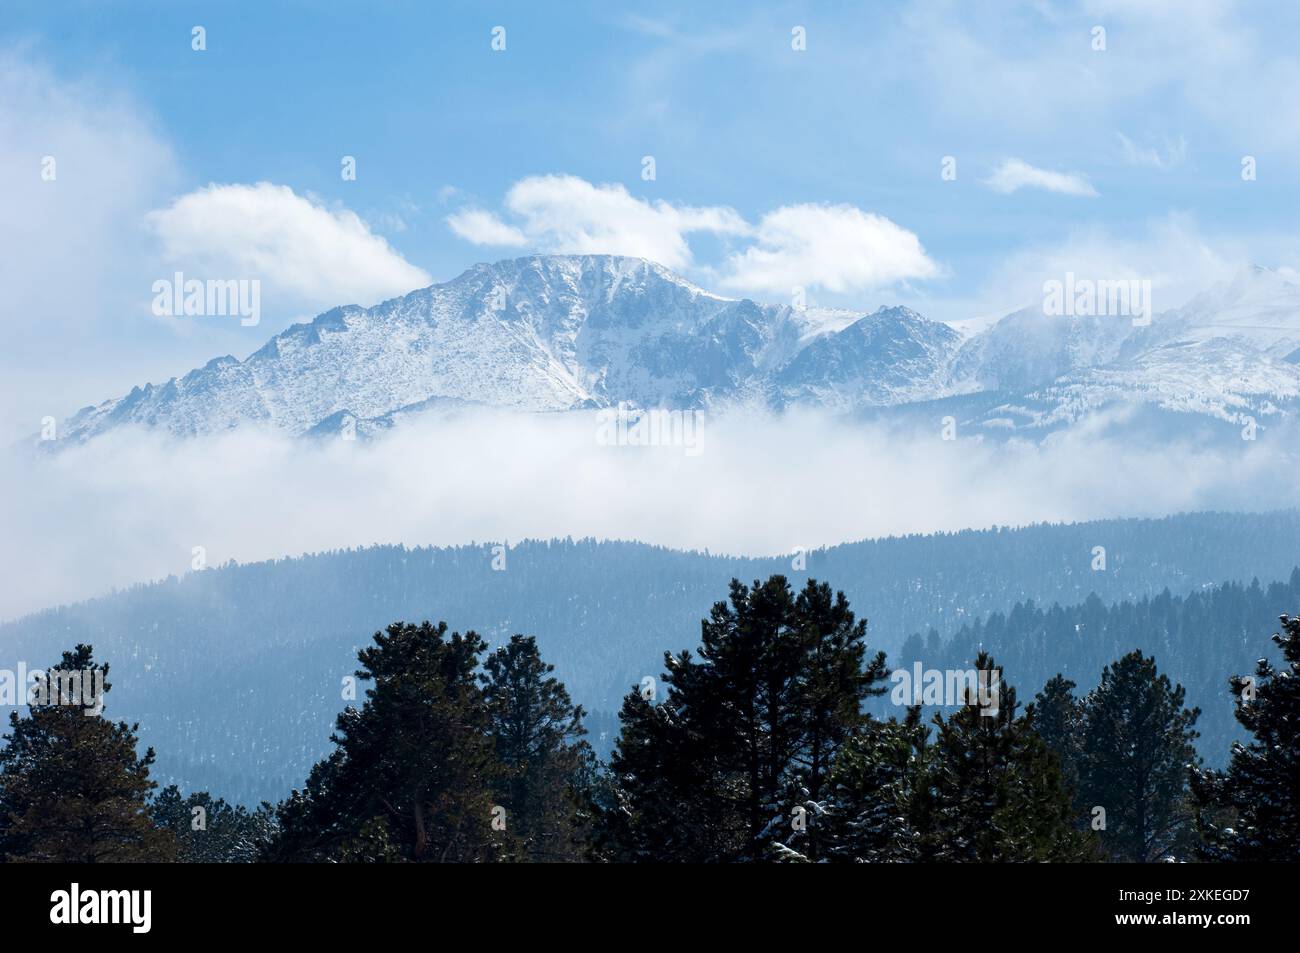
(1195, 636)
(766, 744)
(213, 653)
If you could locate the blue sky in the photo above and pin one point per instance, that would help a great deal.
(774, 166)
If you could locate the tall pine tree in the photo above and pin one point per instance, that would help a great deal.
(413, 771)
(724, 766)
(1251, 812)
(1058, 719)
(72, 787)
(1137, 744)
(996, 788)
(545, 763)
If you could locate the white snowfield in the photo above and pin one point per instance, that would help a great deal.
(557, 333)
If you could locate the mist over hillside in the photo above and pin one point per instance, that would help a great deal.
(235, 672)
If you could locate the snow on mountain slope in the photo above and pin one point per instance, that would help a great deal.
(1221, 378)
(1230, 353)
(894, 356)
(554, 333)
(1028, 348)
(1259, 307)
(542, 333)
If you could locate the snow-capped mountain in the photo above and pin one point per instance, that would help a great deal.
(1229, 355)
(1259, 308)
(894, 356)
(544, 333)
(1028, 348)
(556, 333)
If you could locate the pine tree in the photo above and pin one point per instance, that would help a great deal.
(72, 787)
(996, 786)
(413, 771)
(662, 804)
(538, 735)
(210, 831)
(1260, 791)
(1138, 743)
(724, 768)
(1058, 719)
(877, 807)
(832, 684)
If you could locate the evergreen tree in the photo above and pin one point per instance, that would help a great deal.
(413, 771)
(748, 730)
(664, 775)
(1138, 743)
(878, 807)
(210, 831)
(1058, 718)
(832, 685)
(1260, 791)
(996, 787)
(546, 764)
(832, 682)
(72, 787)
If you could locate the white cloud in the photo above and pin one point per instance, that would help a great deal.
(835, 247)
(71, 247)
(1165, 156)
(306, 255)
(484, 228)
(491, 475)
(1015, 174)
(1171, 252)
(567, 215)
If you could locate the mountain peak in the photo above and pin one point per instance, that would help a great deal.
(565, 332)
(617, 270)
(544, 333)
(1258, 306)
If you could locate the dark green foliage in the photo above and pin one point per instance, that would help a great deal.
(878, 805)
(210, 831)
(747, 730)
(1251, 812)
(985, 788)
(833, 680)
(995, 785)
(72, 787)
(413, 771)
(661, 804)
(1058, 719)
(603, 612)
(545, 766)
(1136, 744)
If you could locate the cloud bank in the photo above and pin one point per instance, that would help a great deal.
(132, 506)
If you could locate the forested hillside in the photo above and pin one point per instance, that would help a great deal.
(236, 673)
(1196, 639)
(756, 747)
